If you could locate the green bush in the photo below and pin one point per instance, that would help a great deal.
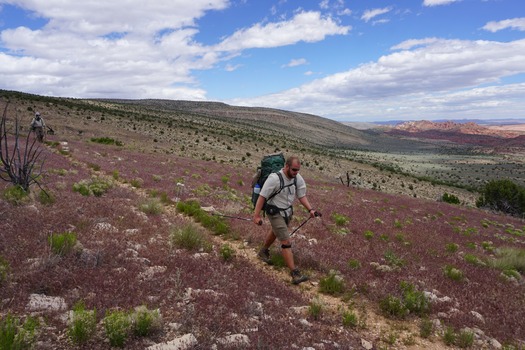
(315, 309)
(332, 284)
(16, 195)
(465, 339)
(452, 247)
(46, 198)
(106, 141)
(188, 237)
(62, 243)
(83, 323)
(354, 264)
(96, 186)
(144, 321)
(214, 223)
(393, 306)
(369, 234)
(426, 327)
(227, 252)
(14, 335)
(449, 336)
(350, 319)
(504, 196)
(509, 258)
(339, 219)
(453, 273)
(414, 300)
(393, 260)
(118, 326)
(450, 198)
(152, 206)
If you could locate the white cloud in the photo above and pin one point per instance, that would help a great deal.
(369, 14)
(296, 62)
(231, 68)
(406, 80)
(438, 2)
(514, 23)
(304, 26)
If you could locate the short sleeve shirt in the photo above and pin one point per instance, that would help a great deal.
(286, 197)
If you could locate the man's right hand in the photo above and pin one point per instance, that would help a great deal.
(257, 220)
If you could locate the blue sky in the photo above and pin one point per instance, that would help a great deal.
(347, 60)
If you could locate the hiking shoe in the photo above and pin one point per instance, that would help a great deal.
(264, 255)
(298, 277)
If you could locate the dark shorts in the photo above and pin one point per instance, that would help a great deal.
(279, 226)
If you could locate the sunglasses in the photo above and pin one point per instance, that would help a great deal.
(295, 169)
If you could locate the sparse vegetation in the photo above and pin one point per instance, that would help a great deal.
(62, 243)
(16, 335)
(83, 323)
(332, 284)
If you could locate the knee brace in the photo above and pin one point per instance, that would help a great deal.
(286, 246)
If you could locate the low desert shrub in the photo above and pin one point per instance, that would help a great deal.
(453, 273)
(46, 198)
(472, 259)
(340, 219)
(17, 335)
(227, 252)
(452, 247)
(333, 284)
(214, 223)
(426, 328)
(464, 339)
(354, 264)
(449, 336)
(450, 198)
(62, 243)
(117, 325)
(106, 141)
(414, 300)
(315, 309)
(393, 307)
(350, 319)
(393, 260)
(83, 323)
(188, 237)
(145, 321)
(136, 182)
(95, 186)
(15, 195)
(152, 206)
(369, 234)
(509, 258)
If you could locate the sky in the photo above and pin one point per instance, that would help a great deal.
(346, 60)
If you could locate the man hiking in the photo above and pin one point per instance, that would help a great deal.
(38, 126)
(281, 189)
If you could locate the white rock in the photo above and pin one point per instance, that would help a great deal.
(495, 344)
(105, 227)
(235, 340)
(366, 344)
(39, 302)
(305, 322)
(187, 341)
(478, 316)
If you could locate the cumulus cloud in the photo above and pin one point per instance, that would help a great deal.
(296, 62)
(137, 50)
(438, 2)
(406, 80)
(304, 26)
(514, 23)
(369, 14)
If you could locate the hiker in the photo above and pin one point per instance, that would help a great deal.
(38, 126)
(279, 210)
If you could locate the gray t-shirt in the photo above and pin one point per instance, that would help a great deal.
(286, 197)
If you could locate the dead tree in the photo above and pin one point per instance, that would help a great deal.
(19, 164)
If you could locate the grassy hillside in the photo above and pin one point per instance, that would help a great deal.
(390, 270)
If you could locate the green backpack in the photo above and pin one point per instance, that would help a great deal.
(270, 163)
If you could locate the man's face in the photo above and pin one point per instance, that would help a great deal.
(293, 170)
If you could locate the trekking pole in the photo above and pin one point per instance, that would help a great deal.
(304, 222)
(232, 217)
